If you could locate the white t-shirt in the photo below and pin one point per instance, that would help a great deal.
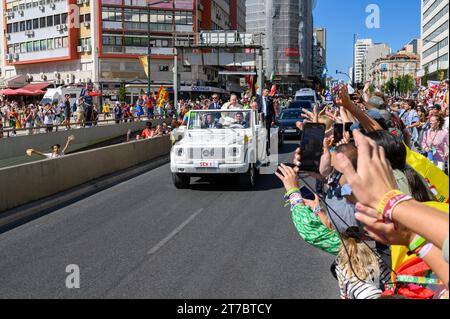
(48, 118)
(53, 155)
(446, 124)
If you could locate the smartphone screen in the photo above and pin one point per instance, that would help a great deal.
(348, 128)
(311, 146)
(338, 132)
(306, 193)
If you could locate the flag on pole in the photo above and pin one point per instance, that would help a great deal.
(273, 90)
(325, 71)
(144, 63)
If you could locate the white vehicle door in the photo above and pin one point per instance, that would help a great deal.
(261, 139)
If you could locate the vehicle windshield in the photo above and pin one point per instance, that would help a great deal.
(309, 98)
(300, 104)
(241, 119)
(290, 114)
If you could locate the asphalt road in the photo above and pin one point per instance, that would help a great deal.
(145, 239)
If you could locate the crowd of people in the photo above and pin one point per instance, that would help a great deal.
(382, 204)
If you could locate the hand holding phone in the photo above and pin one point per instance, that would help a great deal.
(311, 146)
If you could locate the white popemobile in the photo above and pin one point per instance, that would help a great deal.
(219, 142)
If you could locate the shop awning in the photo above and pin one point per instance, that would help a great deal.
(36, 86)
(27, 90)
(8, 92)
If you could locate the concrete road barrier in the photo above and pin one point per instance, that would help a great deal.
(17, 145)
(29, 182)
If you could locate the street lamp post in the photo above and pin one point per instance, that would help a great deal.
(149, 50)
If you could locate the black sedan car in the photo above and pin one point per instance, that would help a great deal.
(286, 124)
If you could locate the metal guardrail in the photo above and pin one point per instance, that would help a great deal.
(41, 129)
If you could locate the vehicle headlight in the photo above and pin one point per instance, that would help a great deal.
(180, 152)
(235, 154)
(233, 151)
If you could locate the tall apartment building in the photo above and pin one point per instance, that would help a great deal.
(434, 36)
(288, 28)
(360, 53)
(63, 42)
(374, 52)
(319, 51)
(78, 41)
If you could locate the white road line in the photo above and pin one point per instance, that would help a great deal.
(173, 233)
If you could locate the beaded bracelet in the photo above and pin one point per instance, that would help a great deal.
(317, 209)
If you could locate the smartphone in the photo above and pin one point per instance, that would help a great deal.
(311, 146)
(338, 133)
(291, 165)
(306, 193)
(348, 128)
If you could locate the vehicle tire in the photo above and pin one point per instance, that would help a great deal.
(181, 181)
(248, 180)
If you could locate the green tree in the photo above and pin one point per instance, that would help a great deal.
(441, 75)
(122, 93)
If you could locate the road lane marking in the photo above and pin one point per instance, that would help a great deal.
(173, 233)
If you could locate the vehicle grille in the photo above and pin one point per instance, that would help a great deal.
(207, 153)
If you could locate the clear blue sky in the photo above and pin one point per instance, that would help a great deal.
(399, 23)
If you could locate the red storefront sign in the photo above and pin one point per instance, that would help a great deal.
(291, 52)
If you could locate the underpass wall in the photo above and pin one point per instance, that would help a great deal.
(17, 145)
(29, 182)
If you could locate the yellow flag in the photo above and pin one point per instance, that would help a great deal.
(437, 180)
(144, 63)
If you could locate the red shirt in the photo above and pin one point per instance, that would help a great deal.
(147, 133)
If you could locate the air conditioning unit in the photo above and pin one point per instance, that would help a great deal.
(87, 24)
(86, 1)
(57, 75)
(52, 5)
(42, 8)
(11, 15)
(87, 48)
(63, 26)
(58, 27)
(70, 78)
(80, 49)
(20, 12)
(80, 1)
(16, 56)
(9, 57)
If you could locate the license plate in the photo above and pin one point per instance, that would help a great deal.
(290, 131)
(209, 164)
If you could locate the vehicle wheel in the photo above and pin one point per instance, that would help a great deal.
(248, 180)
(181, 181)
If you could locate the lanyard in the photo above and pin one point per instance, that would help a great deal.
(419, 280)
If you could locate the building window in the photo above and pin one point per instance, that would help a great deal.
(50, 43)
(42, 22)
(35, 23)
(29, 25)
(64, 18)
(56, 19)
(49, 21)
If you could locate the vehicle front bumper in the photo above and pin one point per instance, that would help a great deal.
(191, 169)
